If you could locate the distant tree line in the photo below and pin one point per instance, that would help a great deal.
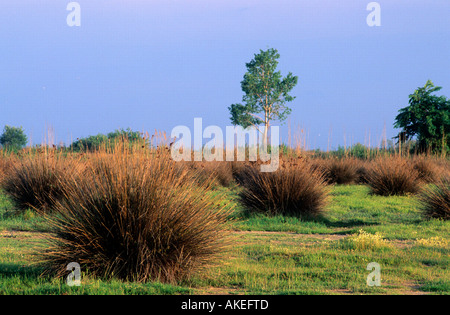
(13, 138)
(93, 143)
(426, 119)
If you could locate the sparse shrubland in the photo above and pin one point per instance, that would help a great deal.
(135, 218)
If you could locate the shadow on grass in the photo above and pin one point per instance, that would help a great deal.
(8, 270)
(345, 223)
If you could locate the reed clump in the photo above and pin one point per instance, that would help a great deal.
(434, 199)
(393, 175)
(296, 189)
(339, 170)
(36, 180)
(137, 217)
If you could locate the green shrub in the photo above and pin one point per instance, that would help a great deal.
(13, 138)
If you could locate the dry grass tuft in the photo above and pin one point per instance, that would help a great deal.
(339, 171)
(217, 173)
(427, 168)
(4, 166)
(293, 190)
(435, 199)
(393, 175)
(36, 180)
(137, 217)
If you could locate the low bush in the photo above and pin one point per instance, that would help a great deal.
(4, 165)
(239, 171)
(437, 242)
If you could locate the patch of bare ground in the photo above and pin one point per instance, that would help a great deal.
(341, 292)
(220, 291)
(411, 288)
(23, 234)
(286, 238)
(289, 238)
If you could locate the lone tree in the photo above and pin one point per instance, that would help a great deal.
(13, 138)
(266, 93)
(427, 117)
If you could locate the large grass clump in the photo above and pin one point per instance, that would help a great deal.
(427, 168)
(339, 171)
(393, 175)
(35, 180)
(435, 199)
(293, 190)
(136, 217)
(216, 173)
(4, 165)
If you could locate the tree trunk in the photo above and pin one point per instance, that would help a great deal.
(265, 135)
(266, 129)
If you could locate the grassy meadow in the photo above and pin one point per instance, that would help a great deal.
(267, 253)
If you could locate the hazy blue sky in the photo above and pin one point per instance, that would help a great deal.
(157, 64)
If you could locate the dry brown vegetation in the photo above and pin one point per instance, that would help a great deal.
(428, 169)
(133, 213)
(393, 175)
(214, 172)
(296, 189)
(339, 171)
(136, 217)
(37, 180)
(435, 199)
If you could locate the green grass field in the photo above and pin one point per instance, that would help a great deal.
(273, 255)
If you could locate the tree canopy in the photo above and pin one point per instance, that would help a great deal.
(13, 138)
(427, 117)
(266, 93)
